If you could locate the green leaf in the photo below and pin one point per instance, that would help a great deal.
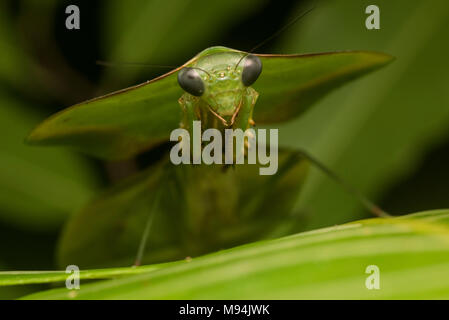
(19, 68)
(411, 253)
(187, 204)
(126, 122)
(16, 291)
(39, 188)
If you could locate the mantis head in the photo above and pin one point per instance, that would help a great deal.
(220, 80)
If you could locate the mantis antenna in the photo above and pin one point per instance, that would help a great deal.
(274, 35)
(146, 232)
(366, 203)
(132, 64)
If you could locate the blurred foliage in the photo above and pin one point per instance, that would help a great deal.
(39, 187)
(384, 123)
(376, 133)
(15, 61)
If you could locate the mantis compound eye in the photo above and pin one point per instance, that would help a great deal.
(251, 70)
(190, 81)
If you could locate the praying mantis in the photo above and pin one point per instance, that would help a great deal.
(194, 209)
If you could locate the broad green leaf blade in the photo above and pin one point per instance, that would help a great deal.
(411, 253)
(124, 123)
(187, 204)
(289, 84)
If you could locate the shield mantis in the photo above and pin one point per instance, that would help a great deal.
(224, 88)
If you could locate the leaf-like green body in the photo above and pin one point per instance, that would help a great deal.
(124, 123)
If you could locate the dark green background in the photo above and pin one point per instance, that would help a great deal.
(387, 133)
